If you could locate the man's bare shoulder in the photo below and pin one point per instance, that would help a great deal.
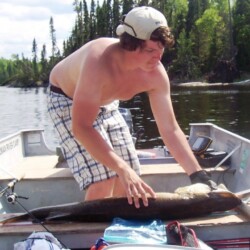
(86, 58)
(90, 54)
(104, 40)
(158, 77)
(98, 45)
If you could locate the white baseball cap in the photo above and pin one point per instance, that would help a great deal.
(140, 22)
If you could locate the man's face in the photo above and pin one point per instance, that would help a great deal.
(151, 54)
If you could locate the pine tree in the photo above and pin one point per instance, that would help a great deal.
(92, 21)
(34, 60)
(44, 66)
(54, 50)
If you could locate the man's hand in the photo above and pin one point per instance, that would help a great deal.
(202, 177)
(135, 188)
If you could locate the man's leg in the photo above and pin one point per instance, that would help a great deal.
(104, 189)
(118, 190)
(122, 143)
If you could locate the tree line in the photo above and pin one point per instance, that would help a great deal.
(211, 40)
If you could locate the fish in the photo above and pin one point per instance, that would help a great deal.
(166, 206)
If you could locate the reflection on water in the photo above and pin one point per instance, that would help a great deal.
(228, 108)
(25, 109)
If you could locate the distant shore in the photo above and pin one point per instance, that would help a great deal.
(205, 84)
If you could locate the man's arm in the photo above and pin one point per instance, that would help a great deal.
(84, 112)
(170, 131)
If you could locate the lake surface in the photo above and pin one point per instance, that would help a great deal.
(225, 107)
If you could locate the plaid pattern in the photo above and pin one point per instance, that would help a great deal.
(111, 125)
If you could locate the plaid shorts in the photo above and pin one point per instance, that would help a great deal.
(111, 125)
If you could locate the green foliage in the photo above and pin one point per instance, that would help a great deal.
(241, 16)
(185, 65)
(6, 70)
(206, 32)
(210, 29)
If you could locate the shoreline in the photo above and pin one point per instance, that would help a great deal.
(205, 84)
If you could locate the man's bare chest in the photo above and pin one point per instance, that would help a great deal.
(124, 88)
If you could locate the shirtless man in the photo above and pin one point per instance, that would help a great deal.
(83, 105)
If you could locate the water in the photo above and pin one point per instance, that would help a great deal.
(228, 108)
(225, 107)
(25, 109)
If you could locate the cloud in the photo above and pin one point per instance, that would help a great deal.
(22, 21)
(56, 6)
(20, 12)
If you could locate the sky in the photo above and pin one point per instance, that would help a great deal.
(23, 20)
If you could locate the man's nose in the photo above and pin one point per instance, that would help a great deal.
(158, 54)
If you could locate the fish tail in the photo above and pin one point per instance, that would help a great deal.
(13, 219)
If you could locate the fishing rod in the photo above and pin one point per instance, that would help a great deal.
(12, 198)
